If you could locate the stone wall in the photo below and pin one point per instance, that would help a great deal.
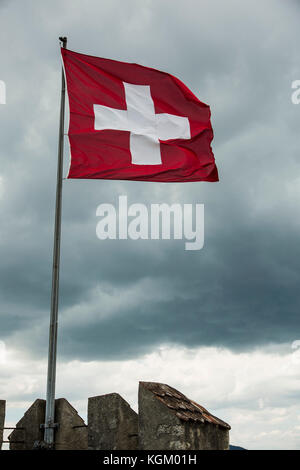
(68, 436)
(2, 420)
(112, 424)
(168, 420)
(72, 433)
(158, 430)
(29, 425)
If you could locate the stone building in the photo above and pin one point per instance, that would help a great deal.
(2, 420)
(112, 424)
(71, 433)
(168, 420)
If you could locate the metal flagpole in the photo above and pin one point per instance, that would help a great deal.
(50, 425)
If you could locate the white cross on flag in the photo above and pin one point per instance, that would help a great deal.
(133, 122)
(146, 128)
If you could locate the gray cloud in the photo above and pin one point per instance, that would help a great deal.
(241, 290)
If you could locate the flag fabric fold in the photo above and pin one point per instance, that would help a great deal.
(130, 122)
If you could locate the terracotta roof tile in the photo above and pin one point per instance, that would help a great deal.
(184, 408)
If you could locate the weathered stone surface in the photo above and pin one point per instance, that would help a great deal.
(69, 436)
(2, 420)
(66, 436)
(170, 421)
(112, 424)
(30, 427)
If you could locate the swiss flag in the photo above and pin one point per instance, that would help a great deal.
(132, 122)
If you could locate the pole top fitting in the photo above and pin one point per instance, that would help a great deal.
(63, 39)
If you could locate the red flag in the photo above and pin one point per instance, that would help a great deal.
(130, 122)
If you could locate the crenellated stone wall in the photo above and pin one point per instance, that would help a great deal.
(167, 420)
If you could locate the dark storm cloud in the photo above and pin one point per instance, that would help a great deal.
(120, 299)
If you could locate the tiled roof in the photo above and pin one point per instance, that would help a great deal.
(184, 408)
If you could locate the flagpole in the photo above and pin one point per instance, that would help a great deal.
(50, 425)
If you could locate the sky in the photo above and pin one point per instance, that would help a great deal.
(219, 324)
